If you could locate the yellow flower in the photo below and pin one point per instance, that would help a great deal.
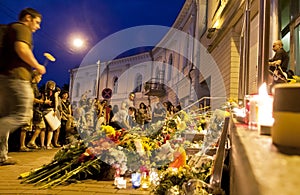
(109, 130)
(181, 126)
(146, 146)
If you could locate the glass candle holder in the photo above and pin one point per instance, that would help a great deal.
(136, 180)
(121, 183)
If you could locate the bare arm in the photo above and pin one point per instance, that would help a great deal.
(70, 110)
(38, 101)
(25, 53)
(56, 101)
(274, 63)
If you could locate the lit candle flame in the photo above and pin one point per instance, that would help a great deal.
(265, 106)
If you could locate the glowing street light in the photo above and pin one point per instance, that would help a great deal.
(78, 43)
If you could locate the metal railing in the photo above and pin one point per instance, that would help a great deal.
(205, 103)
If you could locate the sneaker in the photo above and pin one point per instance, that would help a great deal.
(8, 162)
(32, 146)
(25, 149)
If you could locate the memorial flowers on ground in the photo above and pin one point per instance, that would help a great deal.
(108, 150)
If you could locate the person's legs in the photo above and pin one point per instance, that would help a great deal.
(4, 147)
(31, 144)
(24, 129)
(49, 139)
(16, 103)
(4, 151)
(22, 140)
(62, 134)
(55, 138)
(18, 98)
(39, 130)
(42, 137)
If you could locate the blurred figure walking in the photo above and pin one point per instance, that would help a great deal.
(16, 62)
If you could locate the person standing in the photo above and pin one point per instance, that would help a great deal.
(50, 95)
(159, 113)
(130, 118)
(130, 101)
(66, 114)
(16, 62)
(38, 122)
(58, 114)
(142, 115)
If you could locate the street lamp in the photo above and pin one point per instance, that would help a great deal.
(98, 77)
(78, 43)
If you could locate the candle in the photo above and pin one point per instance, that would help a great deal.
(154, 177)
(136, 180)
(265, 111)
(145, 181)
(252, 110)
(121, 183)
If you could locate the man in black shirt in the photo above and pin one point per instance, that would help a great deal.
(278, 65)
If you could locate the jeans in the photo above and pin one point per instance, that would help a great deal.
(4, 147)
(16, 108)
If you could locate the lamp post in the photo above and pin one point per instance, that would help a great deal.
(98, 77)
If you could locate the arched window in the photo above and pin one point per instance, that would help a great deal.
(77, 89)
(157, 75)
(115, 84)
(138, 83)
(187, 51)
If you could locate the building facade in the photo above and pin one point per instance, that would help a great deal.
(214, 50)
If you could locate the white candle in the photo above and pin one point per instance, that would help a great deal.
(265, 107)
(121, 183)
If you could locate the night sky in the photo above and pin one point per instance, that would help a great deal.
(91, 20)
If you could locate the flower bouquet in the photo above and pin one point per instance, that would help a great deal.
(108, 150)
(70, 164)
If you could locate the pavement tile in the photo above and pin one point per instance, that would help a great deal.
(37, 191)
(66, 192)
(14, 191)
(101, 190)
(133, 191)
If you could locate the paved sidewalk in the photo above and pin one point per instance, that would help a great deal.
(10, 184)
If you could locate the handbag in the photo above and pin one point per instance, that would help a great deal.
(37, 115)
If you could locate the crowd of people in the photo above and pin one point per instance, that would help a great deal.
(50, 100)
(23, 108)
(90, 114)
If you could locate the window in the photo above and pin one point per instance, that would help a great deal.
(170, 62)
(289, 16)
(115, 84)
(284, 13)
(157, 74)
(138, 83)
(77, 89)
(187, 51)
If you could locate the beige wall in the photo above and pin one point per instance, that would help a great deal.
(227, 58)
